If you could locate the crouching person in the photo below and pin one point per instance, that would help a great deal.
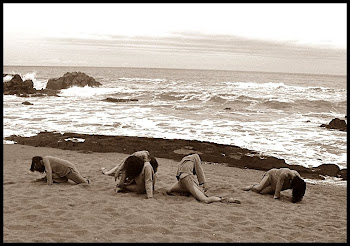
(139, 176)
(57, 170)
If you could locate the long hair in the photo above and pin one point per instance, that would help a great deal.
(133, 166)
(37, 164)
(154, 164)
(299, 186)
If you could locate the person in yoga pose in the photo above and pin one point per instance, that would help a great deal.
(119, 170)
(138, 176)
(191, 179)
(278, 179)
(142, 154)
(57, 170)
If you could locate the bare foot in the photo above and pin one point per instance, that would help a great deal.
(248, 188)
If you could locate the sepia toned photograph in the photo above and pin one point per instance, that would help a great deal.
(174, 123)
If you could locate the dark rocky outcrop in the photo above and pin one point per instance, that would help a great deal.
(27, 103)
(45, 92)
(110, 99)
(337, 124)
(173, 149)
(16, 86)
(327, 169)
(343, 174)
(72, 79)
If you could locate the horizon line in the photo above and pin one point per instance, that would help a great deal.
(204, 69)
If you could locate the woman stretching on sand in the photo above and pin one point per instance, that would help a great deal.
(119, 170)
(276, 180)
(57, 170)
(138, 176)
(190, 166)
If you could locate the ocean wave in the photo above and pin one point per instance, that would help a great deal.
(169, 96)
(276, 104)
(218, 99)
(279, 119)
(314, 104)
(88, 91)
(250, 85)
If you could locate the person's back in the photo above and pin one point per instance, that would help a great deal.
(59, 166)
(278, 179)
(57, 170)
(284, 175)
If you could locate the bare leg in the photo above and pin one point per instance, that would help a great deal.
(265, 182)
(267, 190)
(109, 172)
(175, 188)
(57, 179)
(76, 177)
(259, 187)
(188, 183)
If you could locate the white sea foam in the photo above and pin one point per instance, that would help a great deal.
(275, 119)
(327, 181)
(87, 91)
(29, 76)
(7, 78)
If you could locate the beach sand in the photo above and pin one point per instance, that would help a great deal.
(36, 212)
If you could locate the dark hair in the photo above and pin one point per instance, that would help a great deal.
(154, 164)
(133, 166)
(299, 186)
(37, 165)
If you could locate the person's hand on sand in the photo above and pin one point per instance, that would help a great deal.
(103, 169)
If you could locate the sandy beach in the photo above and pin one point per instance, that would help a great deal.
(36, 212)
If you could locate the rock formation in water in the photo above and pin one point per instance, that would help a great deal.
(72, 79)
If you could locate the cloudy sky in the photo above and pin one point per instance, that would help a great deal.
(301, 38)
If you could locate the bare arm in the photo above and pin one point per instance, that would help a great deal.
(149, 181)
(119, 169)
(48, 170)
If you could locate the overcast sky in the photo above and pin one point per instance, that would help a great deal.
(302, 38)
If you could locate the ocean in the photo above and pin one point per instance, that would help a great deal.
(277, 114)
